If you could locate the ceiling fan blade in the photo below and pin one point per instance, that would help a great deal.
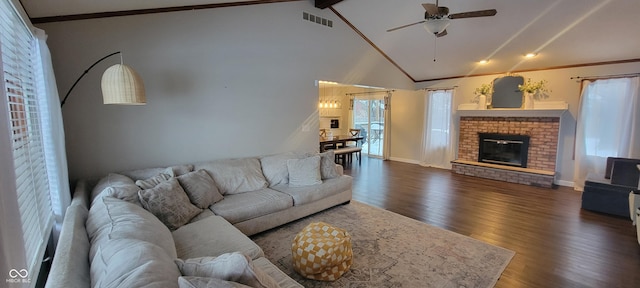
(443, 10)
(432, 9)
(471, 14)
(405, 26)
(443, 33)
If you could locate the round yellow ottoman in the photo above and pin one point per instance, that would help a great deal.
(322, 252)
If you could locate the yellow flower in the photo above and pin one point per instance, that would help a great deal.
(484, 89)
(534, 87)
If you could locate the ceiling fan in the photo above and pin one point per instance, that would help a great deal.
(436, 18)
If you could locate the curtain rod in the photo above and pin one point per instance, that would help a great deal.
(605, 76)
(437, 89)
(370, 92)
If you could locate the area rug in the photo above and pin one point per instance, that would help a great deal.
(391, 250)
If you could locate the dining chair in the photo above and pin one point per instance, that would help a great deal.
(354, 148)
(353, 133)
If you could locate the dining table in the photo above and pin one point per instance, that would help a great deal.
(337, 141)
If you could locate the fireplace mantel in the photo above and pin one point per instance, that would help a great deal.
(541, 109)
(512, 113)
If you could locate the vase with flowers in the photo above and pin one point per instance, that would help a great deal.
(482, 93)
(533, 91)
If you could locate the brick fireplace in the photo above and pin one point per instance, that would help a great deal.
(543, 134)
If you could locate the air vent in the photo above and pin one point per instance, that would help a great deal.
(317, 19)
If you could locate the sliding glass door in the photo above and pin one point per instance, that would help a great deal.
(368, 116)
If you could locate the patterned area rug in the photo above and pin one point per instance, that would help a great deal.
(391, 250)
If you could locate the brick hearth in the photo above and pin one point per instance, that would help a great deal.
(543, 147)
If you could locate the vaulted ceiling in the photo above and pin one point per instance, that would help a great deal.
(563, 33)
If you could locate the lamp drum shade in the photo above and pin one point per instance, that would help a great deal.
(122, 85)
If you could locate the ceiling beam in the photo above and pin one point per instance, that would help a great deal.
(48, 19)
(326, 3)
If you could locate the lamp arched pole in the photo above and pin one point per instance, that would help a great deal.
(85, 73)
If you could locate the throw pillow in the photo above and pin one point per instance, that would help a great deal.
(274, 167)
(200, 188)
(153, 181)
(145, 173)
(111, 179)
(127, 193)
(206, 282)
(181, 169)
(235, 267)
(169, 203)
(328, 165)
(304, 172)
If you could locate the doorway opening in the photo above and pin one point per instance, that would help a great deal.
(342, 107)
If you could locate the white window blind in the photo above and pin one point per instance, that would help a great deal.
(17, 46)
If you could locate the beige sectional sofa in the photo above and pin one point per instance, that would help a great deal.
(139, 228)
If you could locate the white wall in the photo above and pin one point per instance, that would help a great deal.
(220, 83)
(407, 125)
(563, 88)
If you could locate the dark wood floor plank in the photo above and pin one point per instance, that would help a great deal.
(557, 244)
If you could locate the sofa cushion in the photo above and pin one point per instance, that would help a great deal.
(169, 203)
(206, 282)
(274, 167)
(200, 188)
(235, 267)
(304, 172)
(307, 194)
(283, 280)
(204, 214)
(328, 168)
(111, 218)
(112, 179)
(212, 236)
(602, 196)
(244, 206)
(153, 181)
(233, 176)
(146, 173)
(133, 263)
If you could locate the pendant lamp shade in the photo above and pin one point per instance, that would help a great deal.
(436, 26)
(122, 85)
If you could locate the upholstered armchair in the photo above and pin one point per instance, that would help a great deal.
(609, 193)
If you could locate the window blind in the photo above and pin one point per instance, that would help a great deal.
(17, 46)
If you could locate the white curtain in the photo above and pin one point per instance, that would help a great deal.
(608, 125)
(437, 148)
(350, 122)
(52, 133)
(386, 147)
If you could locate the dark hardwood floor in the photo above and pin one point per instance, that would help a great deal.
(557, 244)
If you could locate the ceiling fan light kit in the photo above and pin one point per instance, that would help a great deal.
(436, 26)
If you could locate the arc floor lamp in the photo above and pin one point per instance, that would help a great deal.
(120, 84)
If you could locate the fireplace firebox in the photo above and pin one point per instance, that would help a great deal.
(504, 149)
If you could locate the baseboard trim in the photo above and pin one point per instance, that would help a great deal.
(410, 161)
(565, 183)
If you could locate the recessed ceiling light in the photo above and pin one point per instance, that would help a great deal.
(531, 55)
(483, 62)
